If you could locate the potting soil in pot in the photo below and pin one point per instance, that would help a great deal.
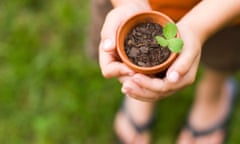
(141, 46)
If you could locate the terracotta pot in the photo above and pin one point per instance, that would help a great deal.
(128, 25)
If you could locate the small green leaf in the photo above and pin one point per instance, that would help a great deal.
(169, 38)
(170, 30)
(161, 41)
(175, 44)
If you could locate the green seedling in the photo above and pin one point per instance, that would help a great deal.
(169, 38)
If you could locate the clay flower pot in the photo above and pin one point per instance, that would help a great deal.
(128, 25)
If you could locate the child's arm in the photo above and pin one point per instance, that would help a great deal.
(211, 15)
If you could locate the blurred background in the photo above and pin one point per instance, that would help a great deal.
(51, 93)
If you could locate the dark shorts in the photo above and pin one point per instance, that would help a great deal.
(221, 52)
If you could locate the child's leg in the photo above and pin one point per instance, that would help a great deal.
(211, 106)
(214, 92)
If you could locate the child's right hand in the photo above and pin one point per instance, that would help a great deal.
(109, 61)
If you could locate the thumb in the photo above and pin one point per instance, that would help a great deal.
(187, 61)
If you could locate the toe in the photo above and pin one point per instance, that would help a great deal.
(127, 134)
(185, 137)
(123, 130)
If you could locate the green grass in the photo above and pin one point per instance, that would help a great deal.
(50, 93)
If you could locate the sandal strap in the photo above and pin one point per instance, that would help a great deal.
(223, 124)
(139, 128)
(200, 133)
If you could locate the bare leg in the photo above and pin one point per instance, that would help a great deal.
(211, 105)
(140, 112)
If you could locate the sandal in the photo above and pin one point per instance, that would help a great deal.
(138, 128)
(223, 125)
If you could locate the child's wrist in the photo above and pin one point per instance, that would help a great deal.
(142, 3)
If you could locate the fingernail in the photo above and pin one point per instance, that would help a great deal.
(125, 89)
(107, 44)
(173, 76)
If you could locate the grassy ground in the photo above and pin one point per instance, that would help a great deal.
(50, 93)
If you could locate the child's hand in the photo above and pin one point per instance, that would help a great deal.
(181, 73)
(109, 61)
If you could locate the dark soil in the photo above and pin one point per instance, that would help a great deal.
(142, 47)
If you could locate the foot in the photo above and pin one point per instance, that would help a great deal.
(207, 123)
(131, 129)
